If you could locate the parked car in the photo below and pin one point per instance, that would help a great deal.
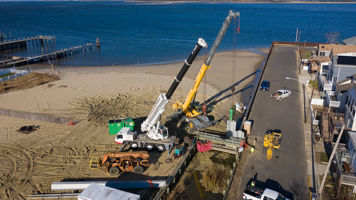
(265, 85)
(281, 94)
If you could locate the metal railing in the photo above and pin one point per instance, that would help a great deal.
(178, 172)
(327, 85)
(330, 99)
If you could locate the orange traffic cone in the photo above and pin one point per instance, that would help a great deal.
(70, 123)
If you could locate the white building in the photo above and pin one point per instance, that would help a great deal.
(350, 109)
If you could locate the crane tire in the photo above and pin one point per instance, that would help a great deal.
(150, 147)
(161, 147)
(133, 145)
(138, 169)
(114, 171)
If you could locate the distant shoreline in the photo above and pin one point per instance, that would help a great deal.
(233, 2)
(213, 2)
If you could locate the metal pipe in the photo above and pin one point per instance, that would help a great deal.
(81, 185)
(52, 196)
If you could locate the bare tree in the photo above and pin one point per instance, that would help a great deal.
(333, 37)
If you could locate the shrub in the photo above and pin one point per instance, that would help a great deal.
(311, 83)
(214, 178)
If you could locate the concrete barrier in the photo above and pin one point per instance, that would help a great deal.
(35, 116)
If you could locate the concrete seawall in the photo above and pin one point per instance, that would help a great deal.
(35, 116)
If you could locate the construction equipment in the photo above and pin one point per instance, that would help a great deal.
(272, 140)
(187, 111)
(151, 125)
(179, 151)
(122, 162)
(141, 140)
(116, 125)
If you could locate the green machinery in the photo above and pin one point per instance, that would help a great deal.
(115, 125)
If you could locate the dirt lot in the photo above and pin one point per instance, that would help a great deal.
(53, 152)
(91, 96)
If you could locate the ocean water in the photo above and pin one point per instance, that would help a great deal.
(134, 33)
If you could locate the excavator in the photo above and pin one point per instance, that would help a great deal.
(186, 110)
(151, 125)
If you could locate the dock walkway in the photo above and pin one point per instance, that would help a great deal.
(49, 56)
(24, 42)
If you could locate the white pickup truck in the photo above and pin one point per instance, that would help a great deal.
(281, 94)
(255, 193)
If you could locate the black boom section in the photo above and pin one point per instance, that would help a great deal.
(184, 69)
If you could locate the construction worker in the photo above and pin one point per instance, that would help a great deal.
(253, 183)
(252, 150)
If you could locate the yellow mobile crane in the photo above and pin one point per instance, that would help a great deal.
(186, 111)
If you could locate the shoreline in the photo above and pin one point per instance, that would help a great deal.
(46, 65)
(239, 2)
(78, 82)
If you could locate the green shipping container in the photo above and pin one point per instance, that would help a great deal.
(116, 125)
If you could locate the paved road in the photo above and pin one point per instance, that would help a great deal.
(288, 173)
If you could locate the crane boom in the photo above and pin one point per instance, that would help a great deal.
(151, 124)
(185, 107)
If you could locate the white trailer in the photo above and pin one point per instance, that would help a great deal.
(141, 140)
(99, 192)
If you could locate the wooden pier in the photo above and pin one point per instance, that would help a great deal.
(24, 42)
(49, 56)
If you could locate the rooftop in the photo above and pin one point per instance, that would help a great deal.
(350, 41)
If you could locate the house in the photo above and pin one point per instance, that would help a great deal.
(351, 144)
(335, 86)
(342, 91)
(325, 49)
(343, 62)
(344, 163)
(350, 41)
(350, 108)
(324, 65)
(342, 65)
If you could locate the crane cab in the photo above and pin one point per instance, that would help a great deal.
(125, 134)
(163, 131)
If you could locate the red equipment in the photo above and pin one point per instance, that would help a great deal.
(204, 145)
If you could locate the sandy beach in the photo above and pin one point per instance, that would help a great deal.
(84, 82)
(92, 95)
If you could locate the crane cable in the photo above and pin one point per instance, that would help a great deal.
(235, 31)
(204, 104)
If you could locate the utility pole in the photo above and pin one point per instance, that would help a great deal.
(304, 43)
(296, 37)
(311, 98)
(329, 163)
(299, 38)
